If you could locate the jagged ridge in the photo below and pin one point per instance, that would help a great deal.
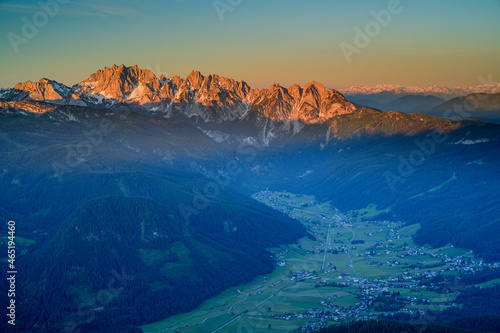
(212, 97)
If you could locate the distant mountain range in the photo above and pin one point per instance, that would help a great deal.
(438, 91)
(405, 103)
(482, 101)
(472, 102)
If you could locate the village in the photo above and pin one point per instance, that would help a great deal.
(370, 291)
(415, 279)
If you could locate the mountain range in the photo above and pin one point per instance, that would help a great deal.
(438, 91)
(212, 97)
(480, 102)
(218, 99)
(262, 114)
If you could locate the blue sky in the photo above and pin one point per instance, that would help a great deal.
(262, 42)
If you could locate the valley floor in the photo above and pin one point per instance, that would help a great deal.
(355, 268)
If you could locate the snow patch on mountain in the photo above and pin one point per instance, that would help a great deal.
(217, 136)
(247, 141)
(137, 92)
(470, 142)
(438, 91)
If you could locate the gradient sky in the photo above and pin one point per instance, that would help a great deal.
(449, 42)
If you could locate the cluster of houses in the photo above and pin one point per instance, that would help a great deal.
(279, 256)
(416, 277)
(273, 201)
(369, 291)
(300, 275)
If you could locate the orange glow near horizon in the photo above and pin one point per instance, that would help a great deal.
(261, 43)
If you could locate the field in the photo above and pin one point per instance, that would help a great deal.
(340, 249)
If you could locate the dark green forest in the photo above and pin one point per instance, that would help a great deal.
(390, 327)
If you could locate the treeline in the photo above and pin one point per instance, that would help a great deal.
(481, 277)
(389, 327)
(478, 323)
(478, 309)
(474, 302)
(387, 304)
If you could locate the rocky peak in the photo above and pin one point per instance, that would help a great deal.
(295, 91)
(319, 104)
(44, 90)
(314, 90)
(194, 80)
(177, 80)
(119, 82)
(312, 104)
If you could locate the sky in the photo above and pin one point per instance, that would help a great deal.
(337, 43)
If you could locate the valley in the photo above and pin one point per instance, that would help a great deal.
(357, 238)
(351, 266)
